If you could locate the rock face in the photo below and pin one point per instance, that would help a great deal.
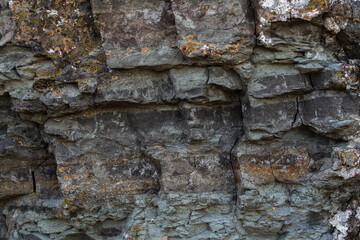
(179, 119)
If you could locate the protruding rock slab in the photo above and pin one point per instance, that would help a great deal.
(137, 33)
(275, 80)
(268, 117)
(334, 114)
(215, 31)
(263, 165)
(185, 171)
(62, 30)
(269, 12)
(16, 178)
(7, 27)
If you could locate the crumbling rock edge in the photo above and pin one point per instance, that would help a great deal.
(179, 120)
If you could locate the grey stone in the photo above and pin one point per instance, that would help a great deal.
(268, 117)
(7, 28)
(226, 79)
(270, 82)
(314, 109)
(179, 119)
(191, 84)
(215, 32)
(151, 44)
(134, 87)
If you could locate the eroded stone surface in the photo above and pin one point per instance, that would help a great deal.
(215, 31)
(179, 119)
(137, 30)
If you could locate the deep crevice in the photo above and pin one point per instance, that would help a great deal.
(296, 116)
(33, 175)
(232, 164)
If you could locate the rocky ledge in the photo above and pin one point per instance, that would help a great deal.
(179, 119)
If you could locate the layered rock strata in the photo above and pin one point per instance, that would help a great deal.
(175, 119)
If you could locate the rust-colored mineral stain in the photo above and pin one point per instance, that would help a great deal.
(258, 170)
(285, 164)
(316, 5)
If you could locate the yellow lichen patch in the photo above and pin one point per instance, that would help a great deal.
(188, 38)
(349, 76)
(189, 48)
(158, 147)
(234, 47)
(71, 205)
(68, 177)
(67, 45)
(208, 48)
(60, 34)
(270, 15)
(316, 5)
(349, 157)
(145, 49)
(205, 9)
(134, 231)
(60, 168)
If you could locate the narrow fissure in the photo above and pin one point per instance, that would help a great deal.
(233, 169)
(33, 175)
(297, 112)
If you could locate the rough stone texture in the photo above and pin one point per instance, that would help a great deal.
(179, 119)
(219, 31)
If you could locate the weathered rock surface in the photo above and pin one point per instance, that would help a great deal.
(179, 119)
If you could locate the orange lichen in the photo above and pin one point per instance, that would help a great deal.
(205, 9)
(349, 157)
(269, 15)
(67, 45)
(316, 5)
(145, 49)
(207, 49)
(234, 47)
(348, 76)
(188, 38)
(60, 168)
(158, 147)
(68, 177)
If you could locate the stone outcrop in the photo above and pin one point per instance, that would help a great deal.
(177, 119)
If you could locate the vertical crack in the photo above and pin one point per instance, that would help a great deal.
(311, 82)
(33, 175)
(296, 116)
(208, 75)
(233, 164)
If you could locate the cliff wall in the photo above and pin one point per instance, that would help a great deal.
(179, 119)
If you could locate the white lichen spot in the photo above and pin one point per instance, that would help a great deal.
(340, 223)
(61, 22)
(263, 39)
(52, 13)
